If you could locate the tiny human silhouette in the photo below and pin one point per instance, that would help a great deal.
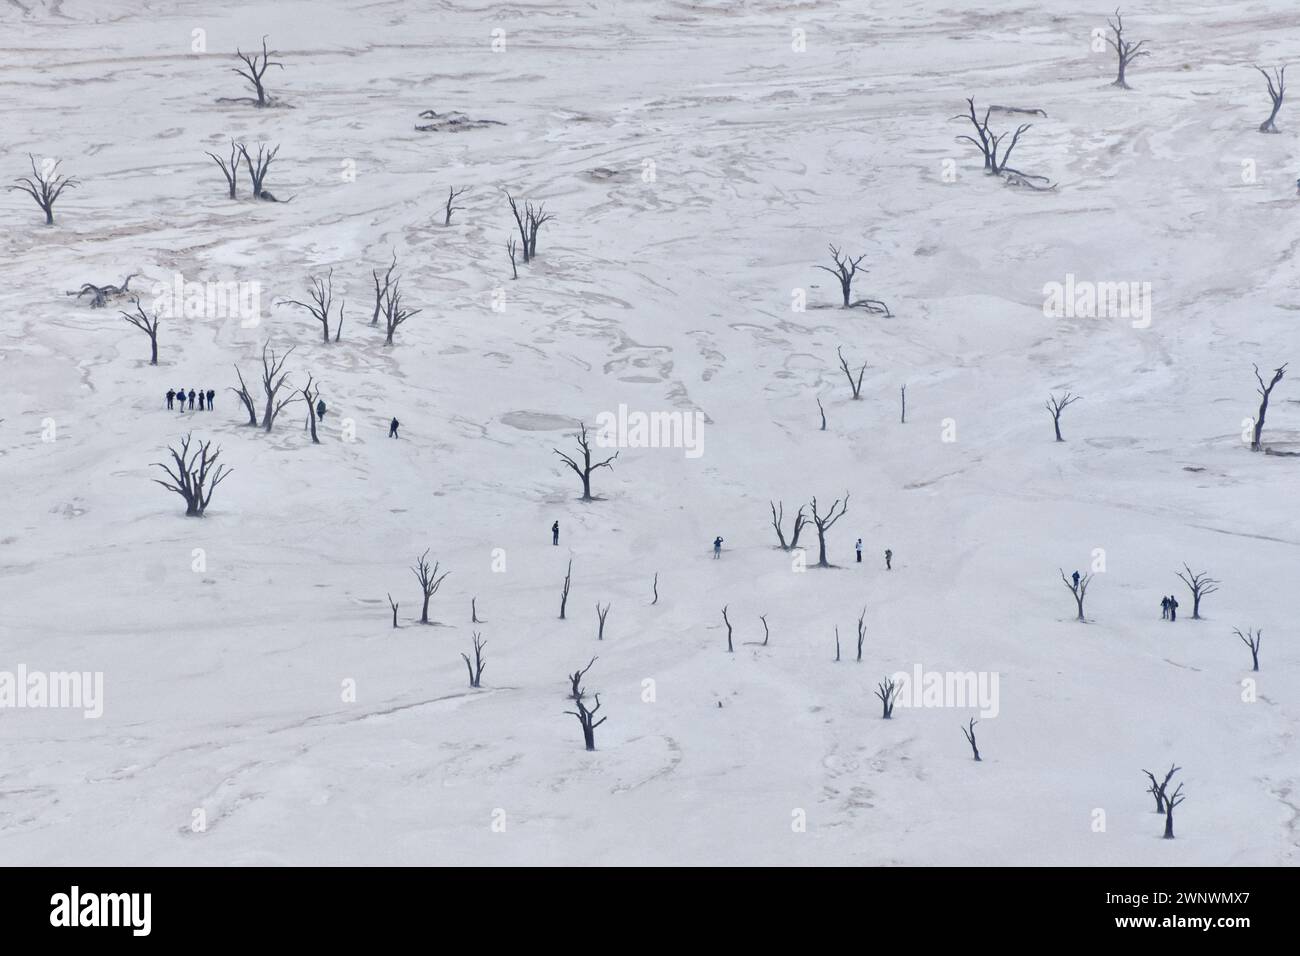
(171, 395)
(555, 533)
(889, 559)
(1164, 608)
(717, 547)
(193, 395)
(858, 548)
(211, 395)
(392, 428)
(320, 408)
(1173, 608)
(1075, 576)
(202, 398)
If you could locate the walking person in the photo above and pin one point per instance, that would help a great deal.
(211, 395)
(171, 395)
(1075, 576)
(889, 557)
(717, 547)
(858, 548)
(392, 428)
(555, 533)
(320, 408)
(1164, 608)
(1173, 608)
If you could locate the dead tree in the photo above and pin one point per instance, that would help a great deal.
(766, 633)
(257, 171)
(148, 324)
(477, 667)
(100, 294)
(862, 631)
(255, 67)
(429, 580)
(1078, 588)
(473, 611)
(887, 692)
(311, 396)
(600, 615)
(1264, 392)
(837, 645)
(1252, 640)
(1126, 51)
(655, 588)
(45, 187)
(381, 288)
(778, 519)
(997, 159)
(229, 168)
(246, 398)
(529, 219)
(969, 733)
(1055, 406)
(321, 305)
(824, 523)
(452, 194)
(274, 378)
(1200, 584)
(855, 384)
(588, 720)
(512, 248)
(194, 474)
(575, 681)
(564, 591)
(393, 605)
(823, 413)
(1276, 92)
(844, 270)
(727, 621)
(584, 470)
(1171, 802)
(902, 397)
(394, 312)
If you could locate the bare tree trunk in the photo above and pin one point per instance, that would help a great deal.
(564, 592)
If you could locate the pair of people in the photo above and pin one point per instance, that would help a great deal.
(177, 397)
(1169, 608)
(889, 555)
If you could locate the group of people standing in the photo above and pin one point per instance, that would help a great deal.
(1169, 608)
(889, 555)
(177, 397)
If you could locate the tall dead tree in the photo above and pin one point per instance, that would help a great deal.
(148, 324)
(588, 720)
(321, 305)
(1171, 803)
(1265, 391)
(837, 645)
(45, 187)
(381, 288)
(1126, 51)
(1276, 93)
(480, 663)
(844, 270)
(274, 378)
(429, 580)
(600, 616)
(887, 692)
(564, 590)
(862, 631)
(855, 384)
(969, 733)
(584, 470)
(727, 621)
(1252, 640)
(311, 395)
(575, 681)
(529, 219)
(778, 519)
(258, 170)
(193, 474)
(1055, 406)
(990, 144)
(393, 605)
(1157, 790)
(229, 168)
(254, 69)
(246, 398)
(1200, 584)
(1079, 589)
(825, 522)
(452, 195)
(902, 399)
(394, 312)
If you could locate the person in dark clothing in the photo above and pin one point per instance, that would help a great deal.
(1173, 608)
(717, 547)
(320, 408)
(889, 558)
(392, 428)
(193, 395)
(171, 395)
(555, 533)
(202, 397)
(211, 395)
(1075, 576)
(858, 548)
(1164, 608)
